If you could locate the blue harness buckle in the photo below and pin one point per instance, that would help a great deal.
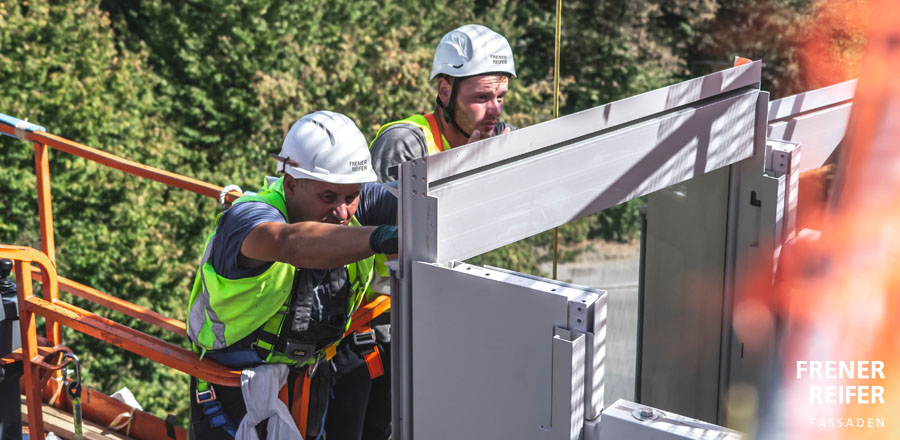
(206, 396)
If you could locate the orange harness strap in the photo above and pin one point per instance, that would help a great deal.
(374, 363)
(360, 319)
(360, 323)
(304, 403)
(435, 130)
(372, 358)
(368, 312)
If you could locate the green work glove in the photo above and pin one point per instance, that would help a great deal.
(384, 239)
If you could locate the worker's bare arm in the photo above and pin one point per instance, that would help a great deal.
(311, 245)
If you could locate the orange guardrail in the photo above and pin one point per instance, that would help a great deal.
(32, 265)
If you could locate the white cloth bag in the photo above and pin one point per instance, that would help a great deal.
(260, 387)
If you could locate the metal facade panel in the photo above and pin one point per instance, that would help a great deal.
(763, 234)
(595, 360)
(683, 281)
(791, 106)
(816, 119)
(482, 344)
(819, 133)
(567, 408)
(587, 123)
(490, 209)
(417, 215)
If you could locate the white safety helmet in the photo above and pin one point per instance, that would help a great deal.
(472, 50)
(328, 147)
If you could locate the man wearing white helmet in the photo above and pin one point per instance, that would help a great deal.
(281, 275)
(473, 66)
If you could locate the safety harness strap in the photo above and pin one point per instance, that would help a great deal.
(304, 402)
(366, 336)
(374, 363)
(363, 334)
(368, 312)
(212, 408)
(435, 130)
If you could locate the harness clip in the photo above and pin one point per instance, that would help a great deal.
(206, 396)
(364, 338)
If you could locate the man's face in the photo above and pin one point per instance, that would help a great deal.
(312, 200)
(479, 102)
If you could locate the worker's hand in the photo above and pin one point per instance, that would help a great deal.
(477, 135)
(384, 240)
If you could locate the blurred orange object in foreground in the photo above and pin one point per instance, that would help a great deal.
(838, 296)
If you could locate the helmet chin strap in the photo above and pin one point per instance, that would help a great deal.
(449, 111)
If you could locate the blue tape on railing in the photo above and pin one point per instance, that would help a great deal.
(22, 125)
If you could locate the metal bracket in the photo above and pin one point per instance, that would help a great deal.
(782, 157)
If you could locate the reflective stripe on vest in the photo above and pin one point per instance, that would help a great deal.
(223, 311)
(428, 125)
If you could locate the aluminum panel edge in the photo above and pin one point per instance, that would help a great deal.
(496, 207)
(817, 119)
(791, 106)
(417, 217)
(746, 180)
(483, 153)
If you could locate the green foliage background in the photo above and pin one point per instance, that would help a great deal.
(208, 89)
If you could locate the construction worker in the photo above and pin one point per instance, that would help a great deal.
(282, 274)
(473, 66)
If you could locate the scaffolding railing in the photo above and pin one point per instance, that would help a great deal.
(32, 265)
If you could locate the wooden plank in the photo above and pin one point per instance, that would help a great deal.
(63, 425)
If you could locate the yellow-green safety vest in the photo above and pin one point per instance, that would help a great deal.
(429, 126)
(223, 311)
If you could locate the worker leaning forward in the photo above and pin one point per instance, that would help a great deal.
(473, 66)
(281, 276)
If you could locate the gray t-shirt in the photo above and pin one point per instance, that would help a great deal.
(376, 207)
(400, 143)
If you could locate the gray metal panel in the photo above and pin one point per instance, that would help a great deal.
(820, 133)
(755, 259)
(595, 339)
(757, 229)
(816, 119)
(595, 359)
(743, 181)
(483, 363)
(685, 267)
(535, 194)
(417, 215)
(587, 123)
(763, 230)
(790, 106)
(693, 127)
(567, 407)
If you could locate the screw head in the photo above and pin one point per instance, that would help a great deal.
(645, 414)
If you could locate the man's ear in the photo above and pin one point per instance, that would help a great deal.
(445, 88)
(290, 184)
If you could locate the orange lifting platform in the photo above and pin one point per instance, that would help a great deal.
(32, 265)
